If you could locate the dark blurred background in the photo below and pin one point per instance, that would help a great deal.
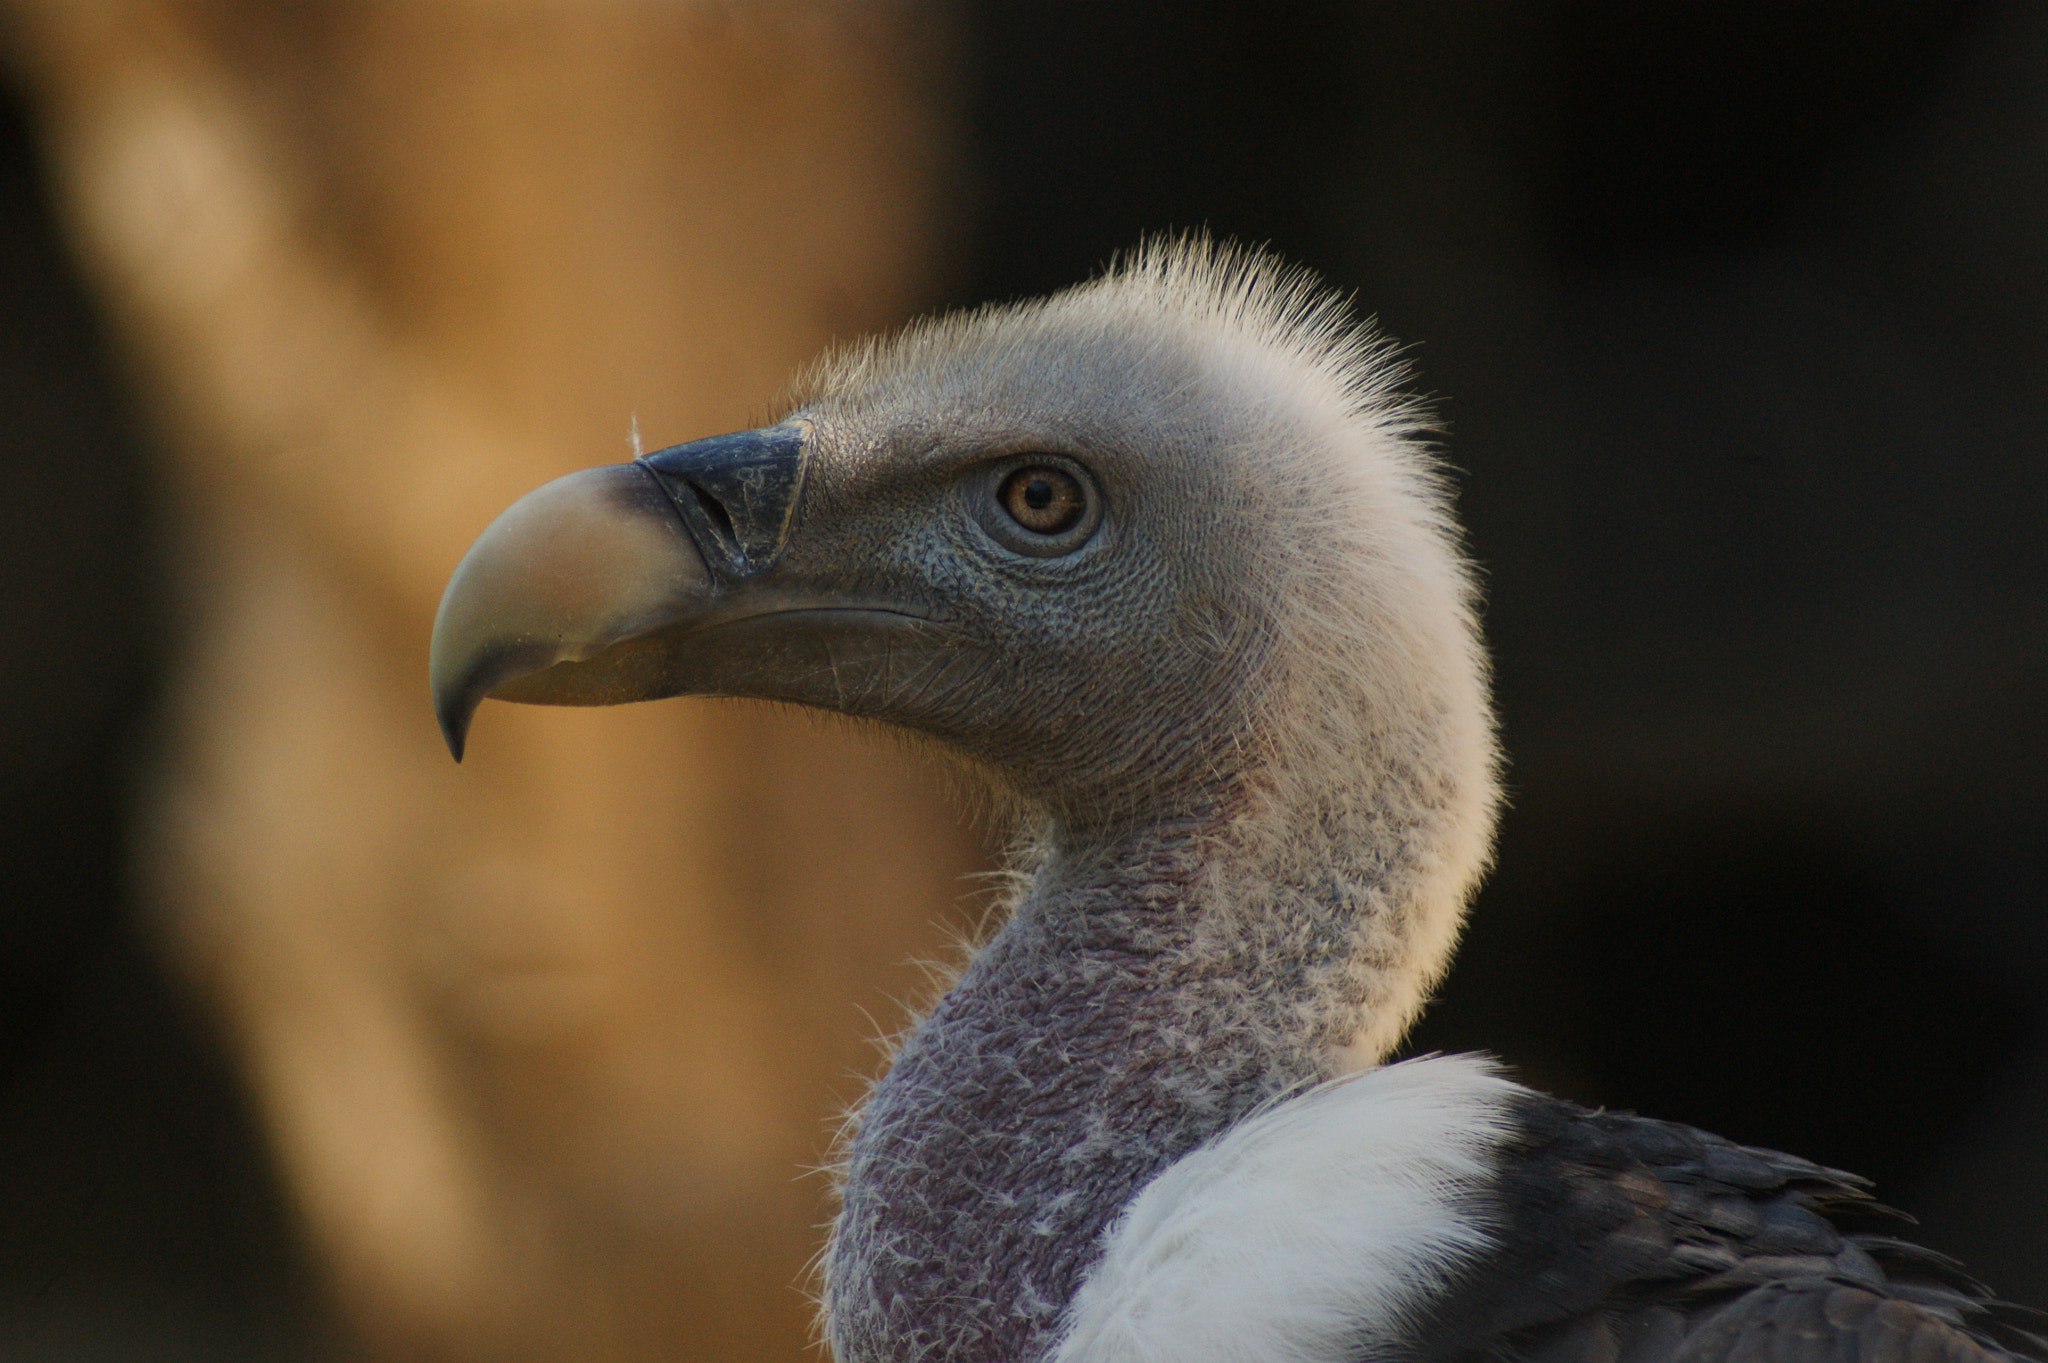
(138, 1216)
(1735, 318)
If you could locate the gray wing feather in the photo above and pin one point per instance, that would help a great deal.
(1626, 1240)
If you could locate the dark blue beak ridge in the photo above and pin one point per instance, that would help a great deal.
(736, 493)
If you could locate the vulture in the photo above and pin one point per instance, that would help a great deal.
(1162, 561)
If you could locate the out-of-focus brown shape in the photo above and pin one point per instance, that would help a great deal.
(543, 1041)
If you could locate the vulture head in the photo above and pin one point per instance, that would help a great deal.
(1161, 547)
(1159, 558)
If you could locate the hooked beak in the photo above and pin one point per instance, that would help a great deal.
(573, 595)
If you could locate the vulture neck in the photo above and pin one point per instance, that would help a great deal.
(1148, 991)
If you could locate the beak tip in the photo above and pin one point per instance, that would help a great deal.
(459, 676)
(454, 709)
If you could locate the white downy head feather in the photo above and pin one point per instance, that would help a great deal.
(1372, 746)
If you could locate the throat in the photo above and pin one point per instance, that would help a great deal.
(1137, 1003)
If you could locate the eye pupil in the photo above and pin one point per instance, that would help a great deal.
(1043, 499)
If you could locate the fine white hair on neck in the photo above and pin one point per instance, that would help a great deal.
(1311, 1232)
(1380, 762)
(1376, 757)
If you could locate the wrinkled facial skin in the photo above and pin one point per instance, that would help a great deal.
(880, 553)
(1090, 677)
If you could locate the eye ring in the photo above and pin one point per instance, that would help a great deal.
(1038, 504)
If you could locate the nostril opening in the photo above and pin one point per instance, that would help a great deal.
(715, 511)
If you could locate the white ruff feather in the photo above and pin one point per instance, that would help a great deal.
(1306, 1233)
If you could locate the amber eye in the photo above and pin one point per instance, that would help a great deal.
(1043, 499)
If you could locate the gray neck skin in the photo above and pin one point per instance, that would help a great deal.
(1115, 1023)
